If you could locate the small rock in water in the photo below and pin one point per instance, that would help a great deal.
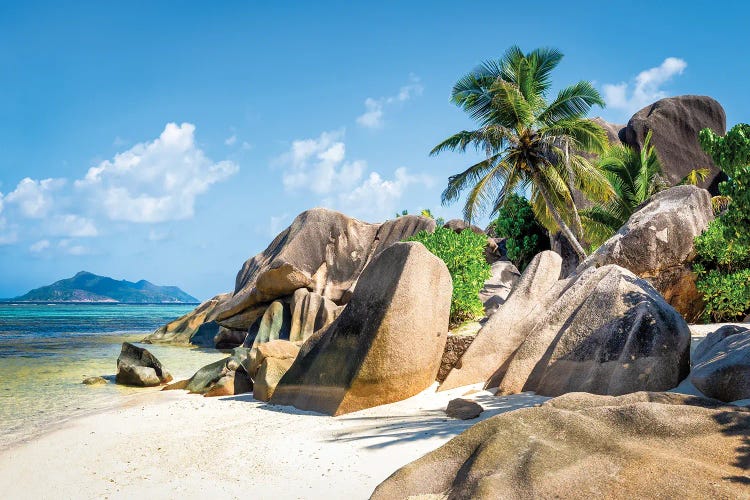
(94, 381)
(463, 409)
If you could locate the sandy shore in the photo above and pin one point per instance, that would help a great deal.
(175, 445)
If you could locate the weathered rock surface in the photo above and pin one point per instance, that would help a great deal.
(455, 347)
(278, 349)
(137, 366)
(606, 332)
(497, 288)
(268, 376)
(387, 343)
(603, 331)
(310, 312)
(275, 324)
(94, 381)
(499, 337)
(458, 225)
(675, 123)
(225, 377)
(227, 338)
(322, 250)
(657, 244)
(642, 445)
(463, 409)
(721, 367)
(186, 329)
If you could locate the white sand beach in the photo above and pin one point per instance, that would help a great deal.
(175, 445)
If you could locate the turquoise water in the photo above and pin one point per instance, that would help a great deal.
(47, 350)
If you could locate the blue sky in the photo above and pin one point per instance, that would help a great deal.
(171, 141)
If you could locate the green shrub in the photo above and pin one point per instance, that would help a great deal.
(722, 262)
(726, 295)
(464, 255)
(524, 236)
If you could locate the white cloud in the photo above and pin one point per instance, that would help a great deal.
(72, 225)
(34, 198)
(377, 198)
(646, 87)
(246, 146)
(373, 115)
(230, 140)
(318, 165)
(375, 108)
(39, 246)
(154, 181)
(69, 247)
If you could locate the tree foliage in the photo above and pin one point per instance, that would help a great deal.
(529, 142)
(463, 253)
(722, 261)
(524, 236)
(635, 177)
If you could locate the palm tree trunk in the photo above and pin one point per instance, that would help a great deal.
(577, 248)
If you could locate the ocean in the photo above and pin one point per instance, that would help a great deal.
(46, 350)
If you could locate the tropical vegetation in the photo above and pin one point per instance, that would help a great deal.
(524, 236)
(722, 263)
(463, 254)
(529, 143)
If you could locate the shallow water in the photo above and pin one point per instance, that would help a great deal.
(47, 350)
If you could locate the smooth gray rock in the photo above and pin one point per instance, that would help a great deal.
(497, 288)
(387, 343)
(604, 331)
(137, 366)
(657, 243)
(721, 368)
(463, 409)
(499, 337)
(582, 446)
(675, 123)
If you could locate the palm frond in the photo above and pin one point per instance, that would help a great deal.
(459, 182)
(510, 108)
(572, 102)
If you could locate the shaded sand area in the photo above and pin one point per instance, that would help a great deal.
(175, 445)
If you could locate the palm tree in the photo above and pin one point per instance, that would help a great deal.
(528, 143)
(635, 176)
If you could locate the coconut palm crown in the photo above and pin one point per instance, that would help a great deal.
(635, 177)
(529, 143)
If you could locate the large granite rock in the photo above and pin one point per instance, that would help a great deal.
(226, 377)
(657, 244)
(322, 250)
(675, 123)
(721, 364)
(310, 312)
(137, 366)
(387, 343)
(497, 288)
(642, 445)
(187, 329)
(499, 336)
(604, 331)
(459, 225)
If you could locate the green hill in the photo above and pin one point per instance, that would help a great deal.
(88, 287)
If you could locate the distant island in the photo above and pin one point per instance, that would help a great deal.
(89, 287)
